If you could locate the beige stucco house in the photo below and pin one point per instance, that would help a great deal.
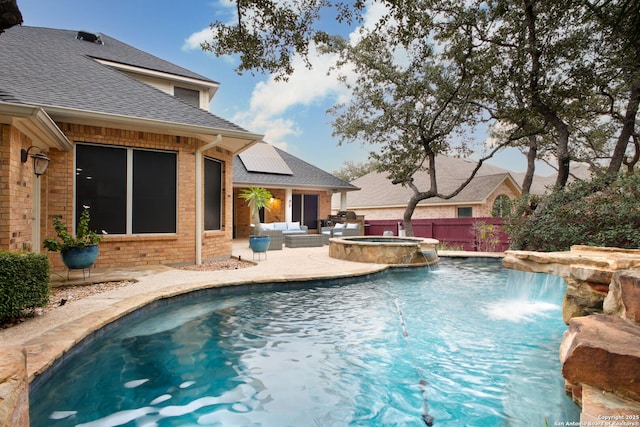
(127, 134)
(379, 199)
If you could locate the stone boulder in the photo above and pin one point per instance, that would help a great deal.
(624, 296)
(603, 352)
(14, 388)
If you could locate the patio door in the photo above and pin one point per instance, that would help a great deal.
(305, 210)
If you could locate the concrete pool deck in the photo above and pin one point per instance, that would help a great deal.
(49, 336)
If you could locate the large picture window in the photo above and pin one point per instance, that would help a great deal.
(212, 194)
(129, 191)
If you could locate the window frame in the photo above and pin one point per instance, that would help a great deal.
(129, 188)
(221, 201)
(188, 99)
(502, 206)
(459, 208)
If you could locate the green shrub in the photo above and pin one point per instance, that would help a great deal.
(593, 213)
(24, 283)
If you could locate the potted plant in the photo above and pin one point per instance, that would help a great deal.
(257, 198)
(79, 251)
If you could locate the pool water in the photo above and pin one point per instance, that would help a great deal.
(466, 343)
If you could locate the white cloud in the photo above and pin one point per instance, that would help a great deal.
(194, 41)
(226, 7)
(271, 100)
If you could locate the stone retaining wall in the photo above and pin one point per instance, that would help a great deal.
(14, 388)
(600, 352)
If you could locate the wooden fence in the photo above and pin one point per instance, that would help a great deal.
(469, 234)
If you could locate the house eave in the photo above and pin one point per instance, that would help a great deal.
(34, 122)
(242, 184)
(233, 140)
(212, 87)
(420, 205)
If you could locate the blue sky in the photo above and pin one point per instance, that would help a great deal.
(292, 114)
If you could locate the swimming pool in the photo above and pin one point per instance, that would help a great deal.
(467, 343)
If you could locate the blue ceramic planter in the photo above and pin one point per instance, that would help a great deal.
(259, 243)
(79, 258)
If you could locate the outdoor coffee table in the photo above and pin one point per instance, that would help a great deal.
(304, 240)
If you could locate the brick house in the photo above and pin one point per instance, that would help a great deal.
(301, 192)
(379, 199)
(127, 134)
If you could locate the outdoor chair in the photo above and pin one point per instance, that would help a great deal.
(341, 230)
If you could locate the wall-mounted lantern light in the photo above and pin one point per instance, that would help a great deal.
(40, 160)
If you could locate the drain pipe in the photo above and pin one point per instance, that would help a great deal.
(199, 190)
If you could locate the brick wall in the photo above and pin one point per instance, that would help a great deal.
(122, 250)
(443, 211)
(16, 184)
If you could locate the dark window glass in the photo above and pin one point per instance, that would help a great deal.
(305, 210)
(465, 212)
(296, 208)
(101, 184)
(212, 194)
(311, 211)
(154, 192)
(189, 96)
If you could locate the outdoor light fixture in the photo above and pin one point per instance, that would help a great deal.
(40, 160)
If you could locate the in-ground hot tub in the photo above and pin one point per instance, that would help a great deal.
(399, 251)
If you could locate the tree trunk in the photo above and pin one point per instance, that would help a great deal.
(408, 213)
(627, 130)
(562, 152)
(551, 116)
(531, 164)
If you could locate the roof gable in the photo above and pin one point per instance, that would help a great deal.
(378, 191)
(54, 70)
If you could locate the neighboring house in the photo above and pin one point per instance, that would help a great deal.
(379, 199)
(128, 134)
(301, 192)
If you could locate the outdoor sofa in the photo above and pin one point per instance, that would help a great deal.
(342, 230)
(285, 227)
(277, 230)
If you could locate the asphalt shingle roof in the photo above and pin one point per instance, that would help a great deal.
(304, 175)
(51, 68)
(377, 189)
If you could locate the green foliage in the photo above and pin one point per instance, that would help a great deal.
(593, 213)
(256, 198)
(351, 170)
(447, 246)
(486, 236)
(560, 76)
(24, 283)
(84, 236)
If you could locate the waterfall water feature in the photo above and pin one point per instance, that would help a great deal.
(526, 295)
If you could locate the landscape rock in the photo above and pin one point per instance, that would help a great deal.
(14, 388)
(624, 296)
(603, 352)
(605, 408)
